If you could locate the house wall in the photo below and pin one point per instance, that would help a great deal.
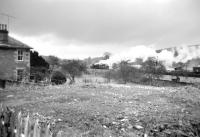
(9, 63)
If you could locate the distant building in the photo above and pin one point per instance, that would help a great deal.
(14, 57)
(196, 70)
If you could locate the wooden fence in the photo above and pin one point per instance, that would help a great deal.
(13, 124)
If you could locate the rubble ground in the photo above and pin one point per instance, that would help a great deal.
(110, 110)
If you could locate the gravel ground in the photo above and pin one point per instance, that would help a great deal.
(110, 110)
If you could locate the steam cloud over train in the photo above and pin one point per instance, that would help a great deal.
(181, 61)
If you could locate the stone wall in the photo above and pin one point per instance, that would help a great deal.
(9, 63)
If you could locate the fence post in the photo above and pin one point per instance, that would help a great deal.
(26, 125)
(47, 131)
(14, 125)
(19, 125)
(35, 130)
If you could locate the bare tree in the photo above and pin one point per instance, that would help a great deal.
(153, 68)
(53, 62)
(74, 68)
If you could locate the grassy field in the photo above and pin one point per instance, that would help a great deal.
(90, 109)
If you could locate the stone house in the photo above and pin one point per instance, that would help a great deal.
(14, 57)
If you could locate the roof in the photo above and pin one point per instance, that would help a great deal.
(13, 43)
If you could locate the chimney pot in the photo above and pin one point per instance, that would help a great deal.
(3, 32)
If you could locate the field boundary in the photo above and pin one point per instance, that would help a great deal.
(14, 124)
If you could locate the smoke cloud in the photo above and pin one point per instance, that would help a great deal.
(167, 56)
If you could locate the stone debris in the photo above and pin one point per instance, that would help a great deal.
(138, 127)
(10, 96)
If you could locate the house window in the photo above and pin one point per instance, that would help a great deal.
(20, 55)
(20, 73)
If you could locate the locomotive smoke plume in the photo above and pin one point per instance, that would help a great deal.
(167, 56)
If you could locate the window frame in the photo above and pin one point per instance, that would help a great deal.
(20, 55)
(20, 75)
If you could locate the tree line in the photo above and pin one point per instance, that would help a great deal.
(58, 70)
(137, 72)
(55, 69)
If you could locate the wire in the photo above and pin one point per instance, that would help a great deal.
(8, 18)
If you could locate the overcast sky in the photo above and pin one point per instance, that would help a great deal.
(83, 28)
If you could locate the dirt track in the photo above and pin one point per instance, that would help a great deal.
(111, 109)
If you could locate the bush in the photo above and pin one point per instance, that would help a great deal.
(74, 68)
(58, 78)
(124, 73)
(153, 68)
(111, 74)
(38, 74)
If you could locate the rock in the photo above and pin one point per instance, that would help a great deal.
(10, 96)
(114, 123)
(145, 135)
(104, 126)
(123, 120)
(138, 127)
(59, 120)
(130, 127)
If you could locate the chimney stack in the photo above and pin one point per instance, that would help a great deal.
(3, 32)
